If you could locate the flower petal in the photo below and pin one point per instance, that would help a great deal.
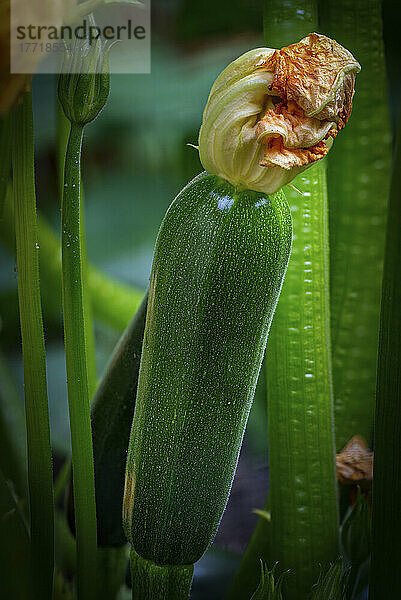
(318, 74)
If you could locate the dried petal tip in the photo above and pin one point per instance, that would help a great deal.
(318, 74)
(355, 463)
(272, 113)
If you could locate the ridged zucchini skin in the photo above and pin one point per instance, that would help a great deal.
(111, 418)
(219, 264)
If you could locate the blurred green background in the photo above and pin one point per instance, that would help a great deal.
(136, 159)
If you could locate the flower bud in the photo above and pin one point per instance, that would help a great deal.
(84, 84)
(272, 113)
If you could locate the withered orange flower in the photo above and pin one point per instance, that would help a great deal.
(315, 79)
(272, 113)
(355, 463)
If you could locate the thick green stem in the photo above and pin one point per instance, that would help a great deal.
(358, 178)
(159, 582)
(33, 350)
(77, 368)
(304, 525)
(385, 580)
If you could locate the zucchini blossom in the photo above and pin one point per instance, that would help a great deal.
(272, 113)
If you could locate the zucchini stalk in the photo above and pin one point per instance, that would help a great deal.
(83, 90)
(63, 129)
(303, 493)
(77, 368)
(156, 582)
(358, 176)
(219, 263)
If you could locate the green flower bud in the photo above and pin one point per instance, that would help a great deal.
(272, 113)
(84, 84)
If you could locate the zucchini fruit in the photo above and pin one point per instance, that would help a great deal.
(111, 418)
(218, 268)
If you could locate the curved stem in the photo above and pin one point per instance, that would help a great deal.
(40, 474)
(159, 582)
(77, 368)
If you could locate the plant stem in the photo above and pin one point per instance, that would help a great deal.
(385, 578)
(157, 582)
(77, 368)
(358, 176)
(63, 129)
(33, 349)
(304, 520)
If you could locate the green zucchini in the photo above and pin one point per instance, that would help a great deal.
(111, 418)
(218, 268)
